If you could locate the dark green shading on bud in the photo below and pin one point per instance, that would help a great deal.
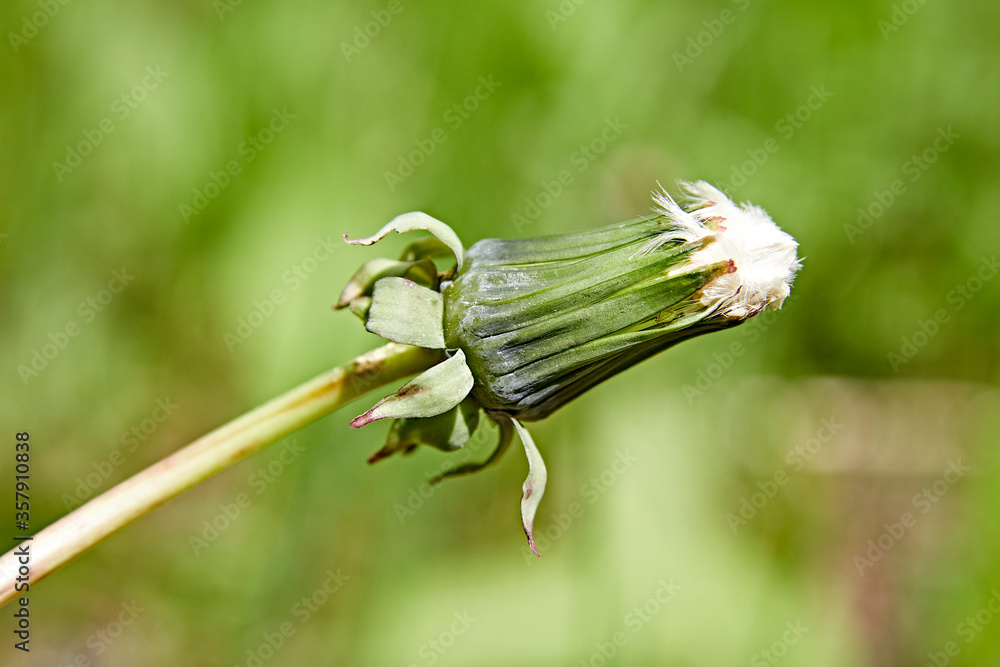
(543, 320)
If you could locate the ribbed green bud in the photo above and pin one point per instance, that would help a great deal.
(543, 320)
(525, 326)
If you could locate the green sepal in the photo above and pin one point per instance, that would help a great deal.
(417, 220)
(360, 307)
(362, 283)
(407, 313)
(447, 431)
(506, 434)
(436, 390)
(534, 484)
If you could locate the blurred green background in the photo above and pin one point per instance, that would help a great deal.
(795, 503)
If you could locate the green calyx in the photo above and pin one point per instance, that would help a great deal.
(525, 326)
(400, 301)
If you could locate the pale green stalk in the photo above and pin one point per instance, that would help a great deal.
(83, 528)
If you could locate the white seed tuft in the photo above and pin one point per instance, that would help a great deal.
(763, 255)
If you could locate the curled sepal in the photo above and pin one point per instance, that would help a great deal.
(447, 431)
(534, 484)
(405, 312)
(436, 390)
(506, 435)
(362, 283)
(415, 220)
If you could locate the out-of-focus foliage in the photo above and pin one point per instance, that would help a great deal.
(213, 153)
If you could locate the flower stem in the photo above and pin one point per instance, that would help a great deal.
(81, 529)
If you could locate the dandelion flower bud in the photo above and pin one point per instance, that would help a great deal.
(524, 326)
(542, 320)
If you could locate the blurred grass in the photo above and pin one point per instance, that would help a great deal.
(324, 175)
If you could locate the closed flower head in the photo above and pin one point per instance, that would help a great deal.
(524, 326)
